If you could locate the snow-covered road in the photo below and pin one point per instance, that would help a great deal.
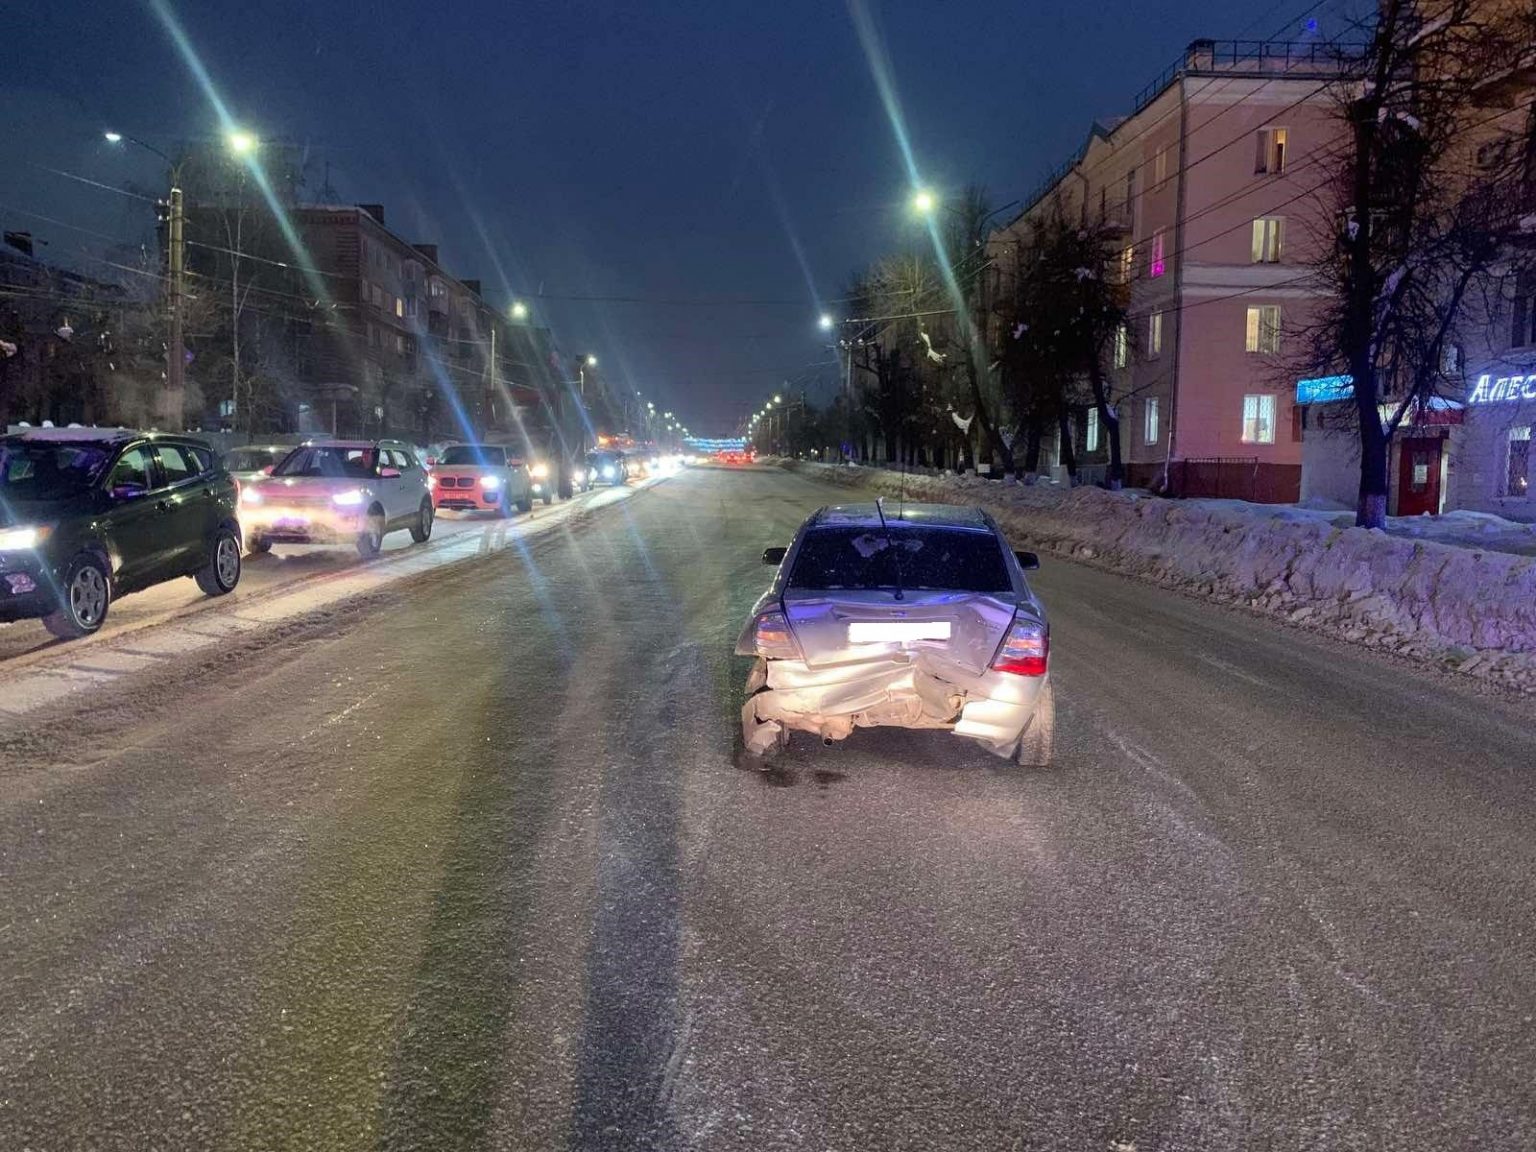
(173, 620)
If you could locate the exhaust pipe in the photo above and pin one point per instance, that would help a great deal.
(827, 741)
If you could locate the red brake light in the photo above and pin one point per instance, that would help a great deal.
(1026, 649)
(773, 639)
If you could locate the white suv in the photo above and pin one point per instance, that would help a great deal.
(335, 491)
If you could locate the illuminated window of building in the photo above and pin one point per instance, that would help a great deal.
(1263, 333)
(1091, 438)
(1517, 476)
(1150, 428)
(1258, 419)
(1155, 335)
(1268, 237)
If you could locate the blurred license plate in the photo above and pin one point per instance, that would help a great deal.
(293, 522)
(892, 631)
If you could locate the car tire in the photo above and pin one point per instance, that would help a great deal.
(504, 508)
(258, 544)
(525, 504)
(421, 531)
(222, 572)
(87, 596)
(1037, 744)
(372, 538)
(548, 499)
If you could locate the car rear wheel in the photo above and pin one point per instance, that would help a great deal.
(421, 531)
(548, 499)
(255, 544)
(372, 537)
(525, 502)
(222, 571)
(1037, 745)
(87, 595)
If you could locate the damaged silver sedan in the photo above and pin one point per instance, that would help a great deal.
(913, 618)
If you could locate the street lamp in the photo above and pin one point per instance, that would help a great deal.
(826, 322)
(777, 399)
(591, 360)
(519, 310)
(924, 201)
(240, 142)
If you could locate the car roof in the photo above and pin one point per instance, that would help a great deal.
(326, 443)
(930, 515)
(76, 435)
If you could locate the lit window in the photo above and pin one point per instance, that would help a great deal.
(1127, 262)
(1158, 264)
(1122, 347)
(1155, 334)
(1150, 427)
(1091, 438)
(1263, 328)
(1517, 477)
(1268, 236)
(399, 307)
(1271, 150)
(1258, 419)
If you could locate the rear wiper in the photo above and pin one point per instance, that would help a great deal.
(891, 544)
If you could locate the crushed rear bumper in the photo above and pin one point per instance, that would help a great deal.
(924, 692)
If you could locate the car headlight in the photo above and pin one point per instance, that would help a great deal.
(348, 499)
(20, 539)
(490, 483)
(540, 471)
(250, 496)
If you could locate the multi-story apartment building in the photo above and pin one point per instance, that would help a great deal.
(367, 335)
(1210, 183)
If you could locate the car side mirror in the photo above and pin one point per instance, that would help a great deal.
(1028, 561)
(389, 473)
(269, 469)
(774, 555)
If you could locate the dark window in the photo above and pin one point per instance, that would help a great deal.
(250, 459)
(45, 471)
(177, 463)
(844, 558)
(475, 455)
(353, 463)
(1521, 332)
(133, 471)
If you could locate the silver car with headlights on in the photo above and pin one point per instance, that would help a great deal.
(911, 617)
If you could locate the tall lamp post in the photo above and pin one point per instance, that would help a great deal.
(238, 142)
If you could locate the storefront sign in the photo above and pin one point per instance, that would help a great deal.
(1325, 389)
(1491, 391)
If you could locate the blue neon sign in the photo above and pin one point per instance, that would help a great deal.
(1325, 389)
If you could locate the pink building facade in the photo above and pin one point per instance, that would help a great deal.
(1215, 183)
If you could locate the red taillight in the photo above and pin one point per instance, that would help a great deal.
(1026, 649)
(772, 638)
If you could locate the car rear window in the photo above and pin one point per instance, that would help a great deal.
(474, 455)
(927, 558)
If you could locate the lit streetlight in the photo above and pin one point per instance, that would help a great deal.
(826, 322)
(777, 399)
(924, 201)
(241, 142)
(519, 310)
(591, 360)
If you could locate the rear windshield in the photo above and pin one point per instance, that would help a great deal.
(353, 463)
(928, 558)
(475, 456)
(43, 470)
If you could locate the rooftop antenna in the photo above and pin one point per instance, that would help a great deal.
(891, 544)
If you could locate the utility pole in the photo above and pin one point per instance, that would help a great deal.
(176, 356)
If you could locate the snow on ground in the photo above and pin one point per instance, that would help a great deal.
(36, 676)
(1460, 590)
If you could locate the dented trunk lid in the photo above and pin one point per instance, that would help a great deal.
(857, 626)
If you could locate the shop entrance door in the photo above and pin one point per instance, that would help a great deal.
(1418, 477)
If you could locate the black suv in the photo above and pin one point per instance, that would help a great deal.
(87, 515)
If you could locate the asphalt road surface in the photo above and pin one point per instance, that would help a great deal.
(473, 866)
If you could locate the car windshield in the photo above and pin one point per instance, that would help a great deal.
(475, 456)
(930, 558)
(601, 459)
(251, 459)
(50, 471)
(321, 460)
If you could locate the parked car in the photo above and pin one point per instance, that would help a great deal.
(604, 466)
(912, 618)
(339, 491)
(253, 461)
(482, 478)
(87, 516)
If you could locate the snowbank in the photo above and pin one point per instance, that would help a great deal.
(1471, 609)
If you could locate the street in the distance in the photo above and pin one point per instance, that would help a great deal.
(515, 891)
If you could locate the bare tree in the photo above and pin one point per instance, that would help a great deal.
(1424, 234)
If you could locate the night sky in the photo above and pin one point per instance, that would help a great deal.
(705, 175)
